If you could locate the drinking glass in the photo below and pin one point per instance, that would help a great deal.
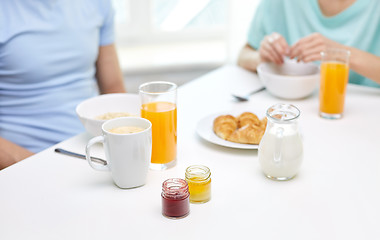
(159, 106)
(334, 78)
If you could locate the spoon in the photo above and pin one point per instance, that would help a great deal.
(73, 154)
(246, 97)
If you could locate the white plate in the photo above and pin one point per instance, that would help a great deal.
(205, 130)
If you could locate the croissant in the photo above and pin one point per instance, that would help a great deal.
(224, 126)
(250, 134)
(246, 128)
(263, 123)
(248, 118)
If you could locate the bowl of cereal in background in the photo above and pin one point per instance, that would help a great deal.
(93, 112)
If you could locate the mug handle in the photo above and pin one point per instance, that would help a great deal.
(92, 141)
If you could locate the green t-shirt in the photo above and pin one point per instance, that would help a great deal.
(357, 26)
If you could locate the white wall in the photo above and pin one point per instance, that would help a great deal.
(240, 13)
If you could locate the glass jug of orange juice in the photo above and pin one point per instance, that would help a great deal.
(159, 106)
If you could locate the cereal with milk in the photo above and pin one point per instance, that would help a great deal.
(112, 115)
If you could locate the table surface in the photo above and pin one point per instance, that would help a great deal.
(334, 196)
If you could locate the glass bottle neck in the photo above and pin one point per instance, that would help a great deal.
(287, 127)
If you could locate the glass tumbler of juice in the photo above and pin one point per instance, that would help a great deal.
(334, 77)
(158, 105)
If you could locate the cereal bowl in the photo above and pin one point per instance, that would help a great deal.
(93, 112)
(291, 80)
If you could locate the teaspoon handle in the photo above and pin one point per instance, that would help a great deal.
(257, 90)
(81, 156)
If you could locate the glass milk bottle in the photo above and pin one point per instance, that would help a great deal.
(281, 150)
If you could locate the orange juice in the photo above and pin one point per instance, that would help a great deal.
(163, 116)
(334, 78)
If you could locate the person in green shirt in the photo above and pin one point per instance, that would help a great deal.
(301, 29)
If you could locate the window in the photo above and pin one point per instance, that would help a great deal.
(165, 34)
(164, 21)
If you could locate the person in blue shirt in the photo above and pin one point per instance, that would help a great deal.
(301, 29)
(53, 55)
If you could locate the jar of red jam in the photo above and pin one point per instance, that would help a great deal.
(175, 198)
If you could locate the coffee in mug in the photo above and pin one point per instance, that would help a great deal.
(126, 129)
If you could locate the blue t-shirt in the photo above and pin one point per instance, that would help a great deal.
(48, 51)
(357, 26)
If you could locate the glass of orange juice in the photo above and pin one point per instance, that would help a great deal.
(334, 78)
(159, 106)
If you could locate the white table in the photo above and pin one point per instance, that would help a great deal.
(336, 194)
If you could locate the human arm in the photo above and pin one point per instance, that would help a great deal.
(249, 58)
(272, 49)
(366, 64)
(108, 72)
(309, 49)
(11, 153)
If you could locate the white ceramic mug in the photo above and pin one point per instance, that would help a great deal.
(127, 155)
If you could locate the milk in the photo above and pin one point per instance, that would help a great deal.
(281, 149)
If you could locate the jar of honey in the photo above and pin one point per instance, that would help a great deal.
(175, 198)
(198, 178)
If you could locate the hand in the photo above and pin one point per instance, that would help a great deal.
(273, 47)
(309, 48)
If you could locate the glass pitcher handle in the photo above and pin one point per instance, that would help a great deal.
(278, 145)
